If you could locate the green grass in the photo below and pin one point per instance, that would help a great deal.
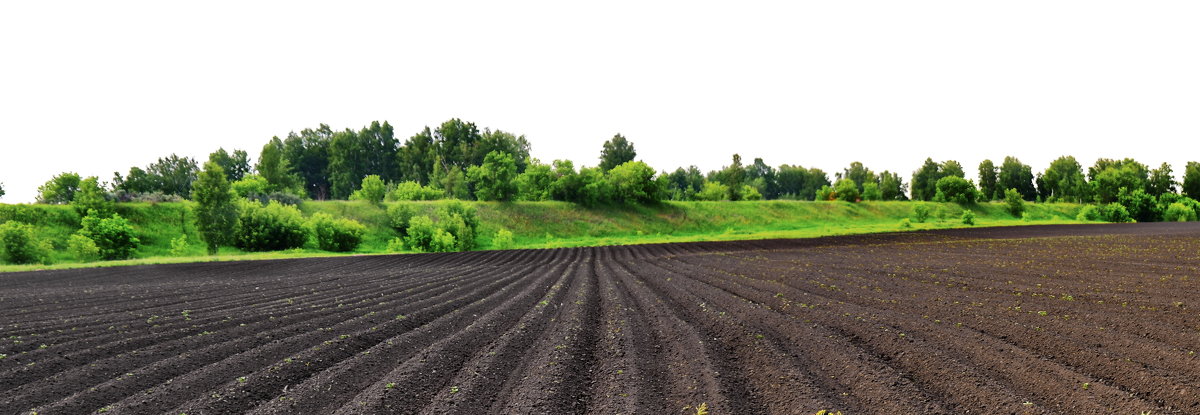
(542, 224)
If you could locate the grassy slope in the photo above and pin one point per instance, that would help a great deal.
(547, 224)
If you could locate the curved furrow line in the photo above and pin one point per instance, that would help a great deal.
(312, 348)
(823, 370)
(325, 391)
(1011, 366)
(703, 376)
(429, 370)
(110, 342)
(561, 360)
(252, 333)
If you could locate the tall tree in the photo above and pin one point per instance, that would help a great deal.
(508, 143)
(455, 142)
(859, 174)
(495, 178)
(924, 182)
(1064, 180)
(1016, 175)
(684, 184)
(1107, 177)
(175, 174)
(417, 157)
(138, 181)
(732, 176)
(308, 154)
(60, 189)
(1160, 181)
(1191, 180)
(616, 152)
(236, 165)
(216, 214)
(273, 167)
(763, 178)
(891, 186)
(987, 180)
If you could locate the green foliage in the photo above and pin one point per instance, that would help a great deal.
(968, 217)
(535, 183)
(684, 184)
(1016, 205)
(1016, 175)
(1141, 206)
(921, 212)
(410, 190)
(399, 216)
(495, 178)
(372, 190)
(173, 175)
(1191, 180)
(1111, 212)
(825, 193)
(749, 193)
(179, 246)
(634, 183)
(308, 153)
(84, 249)
(1179, 212)
(713, 191)
(60, 189)
(987, 180)
(870, 191)
(1064, 181)
(420, 233)
(90, 197)
(924, 182)
(955, 189)
(846, 190)
(251, 186)
(454, 230)
(236, 166)
(460, 220)
(796, 182)
(395, 245)
(1160, 181)
(442, 241)
(1109, 176)
(19, 244)
(891, 186)
(277, 170)
(733, 176)
(859, 174)
(905, 223)
(503, 239)
(616, 152)
(114, 236)
(337, 235)
(1, 189)
(216, 212)
(270, 227)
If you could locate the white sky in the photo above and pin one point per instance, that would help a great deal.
(97, 87)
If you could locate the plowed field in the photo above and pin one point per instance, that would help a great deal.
(1090, 319)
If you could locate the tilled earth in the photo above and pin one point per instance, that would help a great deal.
(1085, 319)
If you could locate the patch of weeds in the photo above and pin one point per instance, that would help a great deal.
(454, 389)
(390, 385)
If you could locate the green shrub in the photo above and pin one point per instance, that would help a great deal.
(460, 220)
(1089, 213)
(83, 248)
(1115, 212)
(373, 190)
(270, 227)
(454, 230)
(337, 235)
(824, 193)
(443, 241)
(19, 244)
(713, 191)
(420, 233)
(846, 190)
(395, 245)
(503, 239)
(968, 217)
(114, 236)
(399, 215)
(413, 191)
(179, 246)
(871, 191)
(1179, 212)
(955, 189)
(921, 212)
(905, 223)
(750, 193)
(1016, 205)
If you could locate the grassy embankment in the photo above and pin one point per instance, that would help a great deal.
(544, 224)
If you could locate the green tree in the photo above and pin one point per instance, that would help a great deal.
(417, 157)
(496, 178)
(19, 244)
(684, 184)
(859, 174)
(114, 236)
(1, 189)
(1160, 181)
(535, 183)
(733, 176)
(60, 189)
(455, 144)
(634, 182)
(796, 182)
(955, 189)
(138, 181)
(216, 213)
(846, 190)
(308, 153)
(1016, 205)
(712, 192)
(616, 151)
(763, 178)
(1191, 180)
(236, 165)
(372, 190)
(891, 186)
(1142, 206)
(92, 198)
(1108, 176)
(276, 169)
(174, 174)
(503, 142)
(924, 182)
(1016, 175)
(871, 191)
(1064, 180)
(987, 179)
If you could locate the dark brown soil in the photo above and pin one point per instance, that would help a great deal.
(1086, 319)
